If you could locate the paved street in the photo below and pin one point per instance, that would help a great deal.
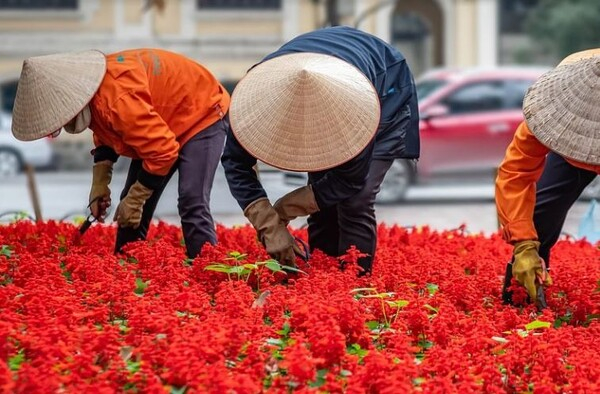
(442, 207)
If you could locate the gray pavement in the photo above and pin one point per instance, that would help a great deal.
(441, 207)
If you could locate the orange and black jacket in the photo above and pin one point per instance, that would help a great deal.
(516, 184)
(149, 104)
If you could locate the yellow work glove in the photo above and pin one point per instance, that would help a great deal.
(129, 211)
(528, 268)
(298, 202)
(272, 231)
(100, 192)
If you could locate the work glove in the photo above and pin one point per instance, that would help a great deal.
(129, 211)
(100, 192)
(528, 268)
(298, 202)
(272, 232)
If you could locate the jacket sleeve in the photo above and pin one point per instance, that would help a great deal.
(342, 182)
(143, 129)
(242, 179)
(516, 185)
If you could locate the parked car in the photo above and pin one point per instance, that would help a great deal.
(467, 119)
(14, 154)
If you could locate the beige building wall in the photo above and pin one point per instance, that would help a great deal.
(227, 41)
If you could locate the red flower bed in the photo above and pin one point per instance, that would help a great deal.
(75, 318)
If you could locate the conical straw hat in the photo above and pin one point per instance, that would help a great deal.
(304, 112)
(562, 109)
(53, 89)
(577, 56)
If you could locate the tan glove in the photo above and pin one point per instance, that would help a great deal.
(298, 202)
(527, 267)
(129, 211)
(272, 231)
(100, 192)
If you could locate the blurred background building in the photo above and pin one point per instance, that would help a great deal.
(229, 36)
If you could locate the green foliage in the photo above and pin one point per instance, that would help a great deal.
(140, 286)
(15, 362)
(5, 251)
(565, 26)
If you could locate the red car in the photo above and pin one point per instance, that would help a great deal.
(468, 118)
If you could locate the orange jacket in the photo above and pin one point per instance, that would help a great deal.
(516, 184)
(151, 102)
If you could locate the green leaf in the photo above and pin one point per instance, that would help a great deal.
(188, 262)
(432, 288)
(320, 380)
(5, 251)
(356, 350)
(361, 289)
(285, 330)
(133, 366)
(425, 344)
(293, 269)
(15, 362)
(397, 304)
(537, 324)
(240, 270)
(378, 295)
(140, 286)
(344, 373)
(372, 325)
(431, 308)
(234, 255)
(275, 342)
(218, 268)
(274, 266)
(178, 390)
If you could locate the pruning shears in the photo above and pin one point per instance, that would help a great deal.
(90, 219)
(303, 251)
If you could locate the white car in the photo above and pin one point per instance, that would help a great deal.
(15, 154)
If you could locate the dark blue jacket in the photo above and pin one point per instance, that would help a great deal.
(398, 133)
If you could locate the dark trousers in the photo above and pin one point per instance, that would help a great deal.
(352, 222)
(197, 164)
(558, 188)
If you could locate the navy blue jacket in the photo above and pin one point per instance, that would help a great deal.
(398, 132)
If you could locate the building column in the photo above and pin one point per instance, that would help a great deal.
(487, 32)
(290, 10)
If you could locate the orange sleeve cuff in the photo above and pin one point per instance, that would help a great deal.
(519, 230)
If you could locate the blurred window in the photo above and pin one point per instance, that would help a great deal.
(513, 14)
(476, 97)
(425, 88)
(239, 4)
(39, 4)
(515, 92)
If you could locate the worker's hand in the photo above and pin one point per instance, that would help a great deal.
(298, 202)
(99, 200)
(528, 268)
(272, 232)
(129, 211)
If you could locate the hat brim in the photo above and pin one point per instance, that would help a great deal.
(304, 112)
(53, 89)
(562, 110)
